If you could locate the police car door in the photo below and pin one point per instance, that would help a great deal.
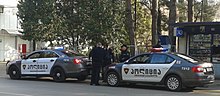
(28, 65)
(46, 63)
(134, 69)
(158, 67)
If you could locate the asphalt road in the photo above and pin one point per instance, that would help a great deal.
(46, 87)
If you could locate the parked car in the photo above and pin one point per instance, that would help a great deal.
(59, 64)
(175, 71)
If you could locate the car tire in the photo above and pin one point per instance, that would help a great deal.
(58, 75)
(173, 83)
(113, 79)
(14, 73)
(81, 78)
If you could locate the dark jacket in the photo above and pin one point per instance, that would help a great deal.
(97, 54)
(109, 57)
(125, 55)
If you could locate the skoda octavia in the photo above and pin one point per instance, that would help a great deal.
(175, 71)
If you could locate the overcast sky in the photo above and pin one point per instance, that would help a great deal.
(8, 2)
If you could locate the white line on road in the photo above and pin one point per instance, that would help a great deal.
(6, 93)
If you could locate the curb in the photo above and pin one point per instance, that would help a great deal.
(3, 63)
(207, 91)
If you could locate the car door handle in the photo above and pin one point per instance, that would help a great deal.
(51, 60)
(34, 60)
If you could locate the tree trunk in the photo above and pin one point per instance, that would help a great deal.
(154, 13)
(159, 19)
(172, 20)
(130, 26)
(190, 10)
(34, 45)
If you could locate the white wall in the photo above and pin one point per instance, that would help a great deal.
(9, 47)
(181, 44)
(8, 19)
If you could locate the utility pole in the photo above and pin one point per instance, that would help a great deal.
(154, 13)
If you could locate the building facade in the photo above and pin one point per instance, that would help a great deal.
(200, 40)
(11, 44)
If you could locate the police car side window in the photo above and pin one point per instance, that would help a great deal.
(34, 55)
(169, 60)
(160, 59)
(140, 59)
(50, 54)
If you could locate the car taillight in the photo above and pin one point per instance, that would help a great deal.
(77, 61)
(197, 69)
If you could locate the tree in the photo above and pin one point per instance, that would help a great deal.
(154, 13)
(190, 10)
(172, 20)
(130, 26)
(33, 14)
(143, 27)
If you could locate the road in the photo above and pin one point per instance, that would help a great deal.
(46, 87)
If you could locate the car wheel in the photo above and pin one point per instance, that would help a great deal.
(58, 75)
(14, 73)
(113, 79)
(81, 78)
(173, 83)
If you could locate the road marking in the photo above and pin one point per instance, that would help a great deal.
(6, 93)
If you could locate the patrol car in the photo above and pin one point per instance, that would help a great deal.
(59, 64)
(175, 71)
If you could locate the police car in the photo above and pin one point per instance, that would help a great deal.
(59, 64)
(175, 71)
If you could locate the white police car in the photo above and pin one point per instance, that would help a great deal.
(175, 71)
(59, 64)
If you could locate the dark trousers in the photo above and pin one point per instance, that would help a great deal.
(95, 75)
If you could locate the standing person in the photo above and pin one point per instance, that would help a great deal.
(97, 54)
(108, 59)
(109, 56)
(125, 55)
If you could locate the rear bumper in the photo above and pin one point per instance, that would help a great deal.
(82, 72)
(200, 81)
(77, 74)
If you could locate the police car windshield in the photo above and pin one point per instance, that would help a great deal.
(71, 53)
(190, 59)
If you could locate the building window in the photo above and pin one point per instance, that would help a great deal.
(216, 48)
(1, 9)
(205, 47)
(200, 46)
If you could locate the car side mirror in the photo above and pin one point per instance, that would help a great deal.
(23, 57)
(127, 62)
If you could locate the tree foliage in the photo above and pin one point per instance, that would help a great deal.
(82, 23)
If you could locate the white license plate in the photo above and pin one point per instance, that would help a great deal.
(208, 69)
(210, 77)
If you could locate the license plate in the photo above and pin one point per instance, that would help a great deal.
(210, 77)
(209, 69)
